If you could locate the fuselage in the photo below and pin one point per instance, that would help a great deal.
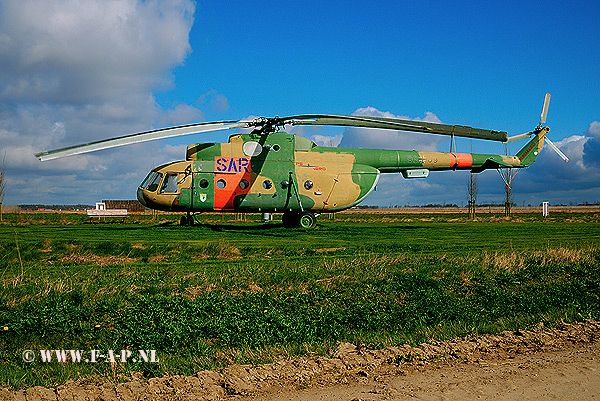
(282, 172)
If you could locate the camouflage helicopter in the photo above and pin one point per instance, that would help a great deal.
(268, 170)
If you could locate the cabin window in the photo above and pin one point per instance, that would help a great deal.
(308, 184)
(267, 184)
(153, 186)
(203, 183)
(169, 184)
(221, 184)
(244, 184)
(303, 144)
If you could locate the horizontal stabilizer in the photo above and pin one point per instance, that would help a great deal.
(491, 163)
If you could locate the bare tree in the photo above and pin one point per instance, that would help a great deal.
(472, 190)
(507, 175)
(2, 184)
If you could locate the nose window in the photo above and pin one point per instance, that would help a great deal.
(147, 179)
(153, 186)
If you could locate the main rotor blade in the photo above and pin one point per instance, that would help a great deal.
(557, 150)
(395, 124)
(268, 125)
(142, 137)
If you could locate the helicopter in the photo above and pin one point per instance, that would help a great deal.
(270, 171)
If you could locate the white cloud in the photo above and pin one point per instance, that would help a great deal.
(174, 152)
(181, 114)
(591, 148)
(74, 51)
(324, 140)
(217, 102)
(594, 129)
(75, 71)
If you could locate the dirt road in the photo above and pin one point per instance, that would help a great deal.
(569, 374)
(560, 363)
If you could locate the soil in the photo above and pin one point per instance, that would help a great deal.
(561, 363)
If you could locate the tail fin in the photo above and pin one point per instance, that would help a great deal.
(533, 148)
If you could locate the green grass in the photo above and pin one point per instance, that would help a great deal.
(224, 292)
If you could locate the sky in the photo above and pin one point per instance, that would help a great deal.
(75, 71)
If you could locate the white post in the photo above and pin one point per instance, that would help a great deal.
(545, 209)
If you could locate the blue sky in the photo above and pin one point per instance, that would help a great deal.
(75, 71)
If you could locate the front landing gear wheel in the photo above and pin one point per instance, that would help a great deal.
(308, 220)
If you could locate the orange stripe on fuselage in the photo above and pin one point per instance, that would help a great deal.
(231, 170)
(462, 159)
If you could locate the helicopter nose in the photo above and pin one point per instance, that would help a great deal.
(140, 196)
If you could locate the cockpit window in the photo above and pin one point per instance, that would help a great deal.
(147, 179)
(169, 184)
(153, 186)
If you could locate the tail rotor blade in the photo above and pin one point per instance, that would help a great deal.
(557, 150)
(545, 109)
(518, 137)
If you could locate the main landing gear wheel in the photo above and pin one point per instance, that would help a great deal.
(187, 220)
(295, 219)
(308, 220)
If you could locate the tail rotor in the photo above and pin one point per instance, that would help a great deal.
(539, 129)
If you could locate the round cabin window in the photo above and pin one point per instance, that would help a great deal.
(252, 148)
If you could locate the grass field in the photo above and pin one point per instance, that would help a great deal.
(227, 292)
